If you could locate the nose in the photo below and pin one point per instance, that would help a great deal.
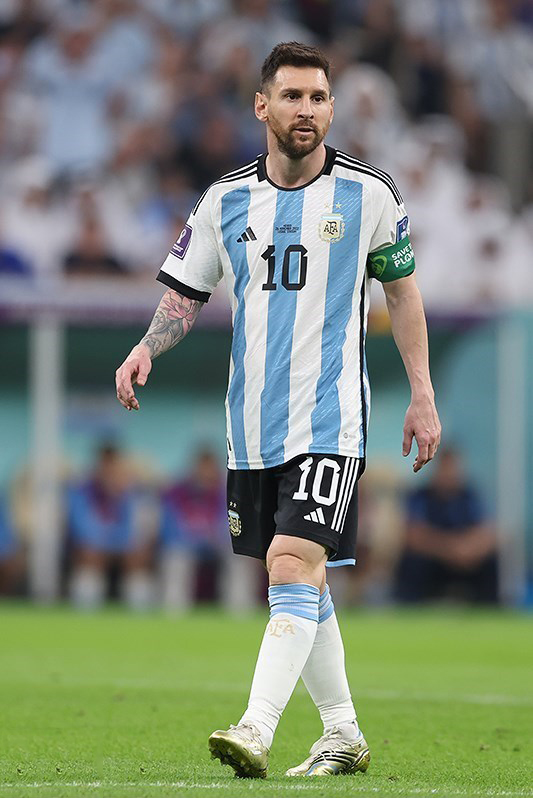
(305, 110)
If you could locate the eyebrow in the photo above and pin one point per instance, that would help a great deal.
(322, 92)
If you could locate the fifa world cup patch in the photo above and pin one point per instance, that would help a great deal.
(402, 229)
(234, 521)
(392, 262)
(182, 244)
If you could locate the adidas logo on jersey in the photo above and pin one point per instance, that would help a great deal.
(316, 515)
(248, 235)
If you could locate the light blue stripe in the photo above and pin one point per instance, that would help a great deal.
(281, 316)
(342, 276)
(311, 614)
(326, 607)
(234, 221)
(296, 599)
(336, 563)
(301, 590)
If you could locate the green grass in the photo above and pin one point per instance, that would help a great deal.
(121, 705)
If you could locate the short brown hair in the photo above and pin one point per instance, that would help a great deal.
(292, 54)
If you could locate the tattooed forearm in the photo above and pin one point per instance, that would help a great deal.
(172, 321)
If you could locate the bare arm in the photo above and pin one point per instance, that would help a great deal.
(410, 334)
(172, 321)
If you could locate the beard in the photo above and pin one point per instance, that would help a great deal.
(290, 144)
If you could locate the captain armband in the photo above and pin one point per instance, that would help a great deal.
(392, 262)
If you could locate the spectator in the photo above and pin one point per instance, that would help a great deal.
(450, 549)
(193, 530)
(68, 73)
(33, 223)
(10, 555)
(91, 254)
(111, 523)
(196, 555)
(11, 262)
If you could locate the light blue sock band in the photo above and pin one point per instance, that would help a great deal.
(326, 608)
(297, 599)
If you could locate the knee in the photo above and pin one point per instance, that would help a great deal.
(286, 569)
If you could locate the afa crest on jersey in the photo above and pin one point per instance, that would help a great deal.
(331, 227)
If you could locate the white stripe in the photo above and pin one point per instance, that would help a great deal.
(320, 513)
(349, 383)
(343, 485)
(256, 327)
(314, 516)
(306, 357)
(229, 280)
(377, 172)
(340, 502)
(240, 169)
(346, 498)
(349, 497)
(244, 172)
(366, 165)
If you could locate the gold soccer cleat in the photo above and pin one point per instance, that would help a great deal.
(241, 748)
(332, 755)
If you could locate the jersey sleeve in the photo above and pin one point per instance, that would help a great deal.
(391, 253)
(193, 267)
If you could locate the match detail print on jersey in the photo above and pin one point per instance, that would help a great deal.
(297, 269)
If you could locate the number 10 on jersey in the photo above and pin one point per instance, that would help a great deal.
(294, 259)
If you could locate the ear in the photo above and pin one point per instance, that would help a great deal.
(332, 112)
(260, 106)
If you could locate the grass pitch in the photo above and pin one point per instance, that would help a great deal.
(121, 705)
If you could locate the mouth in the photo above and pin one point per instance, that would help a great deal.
(304, 129)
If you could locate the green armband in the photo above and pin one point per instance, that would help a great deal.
(392, 262)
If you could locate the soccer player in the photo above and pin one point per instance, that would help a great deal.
(297, 234)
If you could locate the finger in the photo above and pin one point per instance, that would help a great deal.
(407, 441)
(422, 456)
(143, 372)
(124, 400)
(126, 396)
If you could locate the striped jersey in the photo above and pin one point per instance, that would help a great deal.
(296, 266)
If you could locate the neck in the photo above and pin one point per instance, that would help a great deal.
(291, 173)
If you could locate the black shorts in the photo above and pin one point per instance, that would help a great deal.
(313, 496)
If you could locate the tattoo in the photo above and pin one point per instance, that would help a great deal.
(172, 321)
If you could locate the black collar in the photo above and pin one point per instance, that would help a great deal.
(326, 170)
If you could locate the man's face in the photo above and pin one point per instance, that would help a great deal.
(297, 108)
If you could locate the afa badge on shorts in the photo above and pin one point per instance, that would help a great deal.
(234, 521)
(331, 227)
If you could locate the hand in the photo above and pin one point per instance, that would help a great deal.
(135, 369)
(422, 423)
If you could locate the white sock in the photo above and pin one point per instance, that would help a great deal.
(324, 674)
(138, 590)
(87, 588)
(286, 645)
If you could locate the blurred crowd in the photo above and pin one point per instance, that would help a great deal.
(116, 114)
(128, 536)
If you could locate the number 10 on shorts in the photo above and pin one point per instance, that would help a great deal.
(318, 491)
